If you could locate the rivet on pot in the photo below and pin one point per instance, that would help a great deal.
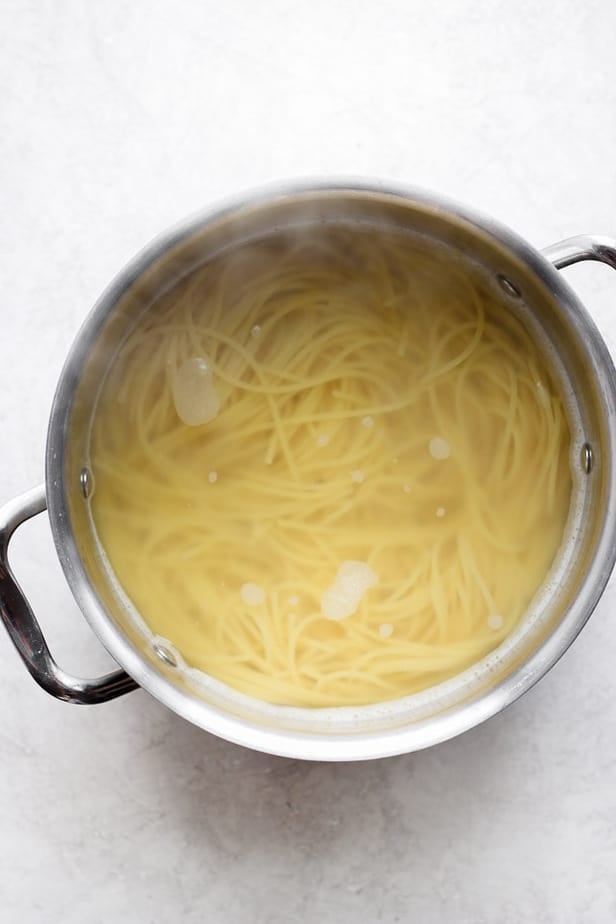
(587, 458)
(86, 480)
(165, 655)
(508, 286)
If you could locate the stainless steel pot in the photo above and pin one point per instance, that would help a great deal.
(342, 734)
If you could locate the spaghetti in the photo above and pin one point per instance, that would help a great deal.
(331, 469)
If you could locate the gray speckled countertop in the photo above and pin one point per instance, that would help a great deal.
(117, 119)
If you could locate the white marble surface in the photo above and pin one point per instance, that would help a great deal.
(116, 119)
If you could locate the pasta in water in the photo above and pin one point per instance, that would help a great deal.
(331, 466)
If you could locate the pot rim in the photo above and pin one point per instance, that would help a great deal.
(301, 744)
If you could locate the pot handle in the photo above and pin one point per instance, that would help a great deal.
(23, 627)
(584, 247)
